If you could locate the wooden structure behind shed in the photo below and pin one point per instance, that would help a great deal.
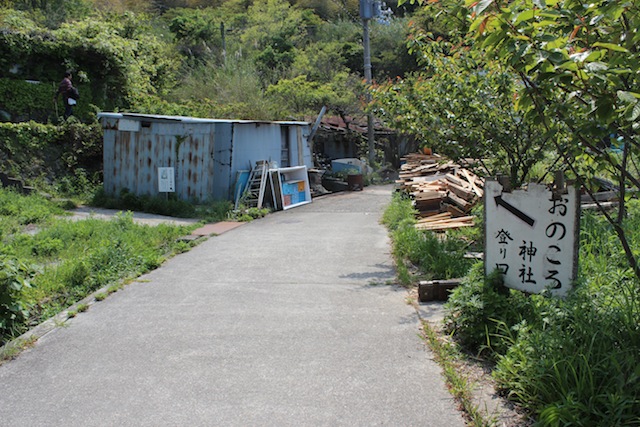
(339, 139)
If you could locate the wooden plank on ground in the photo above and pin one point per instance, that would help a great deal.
(459, 201)
(435, 217)
(472, 180)
(454, 210)
(461, 191)
(442, 227)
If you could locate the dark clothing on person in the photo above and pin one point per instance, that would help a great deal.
(64, 88)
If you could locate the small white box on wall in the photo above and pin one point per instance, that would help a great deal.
(166, 180)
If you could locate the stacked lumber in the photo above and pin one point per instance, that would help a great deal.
(443, 192)
(444, 223)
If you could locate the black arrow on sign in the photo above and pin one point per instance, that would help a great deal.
(517, 212)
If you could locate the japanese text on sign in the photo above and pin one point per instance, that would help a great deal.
(531, 237)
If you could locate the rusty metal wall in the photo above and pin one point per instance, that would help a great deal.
(132, 158)
(206, 154)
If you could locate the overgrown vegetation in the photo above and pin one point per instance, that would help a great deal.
(257, 60)
(48, 263)
(571, 69)
(450, 357)
(64, 154)
(423, 254)
(212, 211)
(570, 361)
(266, 60)
(561, 79)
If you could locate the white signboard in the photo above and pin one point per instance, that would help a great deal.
(532, 237)
(166, 180)
(128, 125)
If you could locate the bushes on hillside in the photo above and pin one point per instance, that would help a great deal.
(32, 150)
(115, 59)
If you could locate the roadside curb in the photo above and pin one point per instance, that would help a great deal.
(42, 329)
(14, 347)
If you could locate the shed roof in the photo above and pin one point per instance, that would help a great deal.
(182, 119)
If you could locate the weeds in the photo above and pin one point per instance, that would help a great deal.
(66, 261)
(572, 361)
(245, 214)
(170, 206)
(128, 201)
(11, 350)
(420, 253)
(13, 280)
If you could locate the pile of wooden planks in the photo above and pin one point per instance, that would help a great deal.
(443, 192)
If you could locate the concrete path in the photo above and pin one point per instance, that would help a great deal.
(286, 321)
(84, 212)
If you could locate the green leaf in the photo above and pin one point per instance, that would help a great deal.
(560, 42)
(544, 23)
(482, 6)
(596, 67)
(595, 55)
(611, 46)
(552, 14)
(569, 65)
(621, 71)
(557, 57)
(627, 97)
(636, 112)
(527, 15)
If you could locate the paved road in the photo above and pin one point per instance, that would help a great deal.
(286, 321)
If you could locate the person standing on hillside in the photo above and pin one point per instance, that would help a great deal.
(65, 88)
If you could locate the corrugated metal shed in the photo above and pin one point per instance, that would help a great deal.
(206, 154)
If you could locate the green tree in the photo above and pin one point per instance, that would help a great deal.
(579, 64)
(462, 105)
(232, 91)
(390, 55)
(300, 96)
(274, 28)
(52, 13)
(197, 31)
